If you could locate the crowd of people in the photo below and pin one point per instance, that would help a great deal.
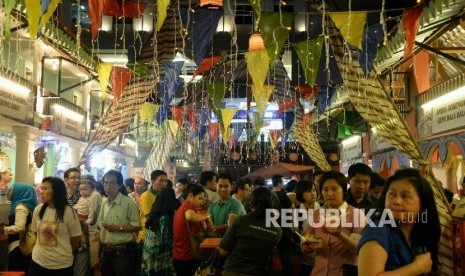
(141, 227)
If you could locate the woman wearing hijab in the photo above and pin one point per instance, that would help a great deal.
(23, 201)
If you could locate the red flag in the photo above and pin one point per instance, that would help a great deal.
(410, 21)
(232, 140)
(206, 64)
(177, 114)
(192, 118)
(213, 131)
(95, 16)
(124, 8)
(284, 105)
(119, 77)
(307, 90)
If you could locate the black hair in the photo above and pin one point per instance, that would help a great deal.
(165, 205)
(290, 186)
(183, 181)
(129, 182)
(359, 168)
(119, 180)
(225, 176)
(449, 195)
(99, 188)
(156, 173)
(240, 184)
(89, 180)
(193, 189)
(259, 182)
(169, 183)
(302, 187)
(205, 177)
(376, 180)
(261, 200)
(276, 179)
(60, 200)
(317, 173)
(338, 177)
(69, 171)
(424, 234)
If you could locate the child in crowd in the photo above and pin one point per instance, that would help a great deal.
(85, 207)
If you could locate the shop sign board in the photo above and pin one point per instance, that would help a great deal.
(68, 124)
(442, 117)
(378, 142)
(17, 106)
(351, 148)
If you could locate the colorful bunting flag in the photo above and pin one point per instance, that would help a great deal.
(49, 10)
(33, 13)
(147, 112)
(351, 25)
(275, 134)
(227, 115)
(307, 90)
(95, 15)
(213, 131)
(216, 92)
(192, 118)
(309, 53)
(275, 28)
(261, 94)
(9, 5)
(120, 77)
(162, 7)
(410, 21)
(124, 8)
(324, 98)
(206, 64)
(285, 105)
(372, 37)
(178, 113)
(257, 66)
(104, 70)
(305, 120)
(173, 127)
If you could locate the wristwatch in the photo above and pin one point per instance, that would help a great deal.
(121, 228)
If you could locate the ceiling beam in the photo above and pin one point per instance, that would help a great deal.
(451, 50)
(434, 51)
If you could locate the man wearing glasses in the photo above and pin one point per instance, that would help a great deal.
(72, 179)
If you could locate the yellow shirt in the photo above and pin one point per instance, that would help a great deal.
(145, 206)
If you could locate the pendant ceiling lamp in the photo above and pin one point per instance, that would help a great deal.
(256, 42)
(211, 4)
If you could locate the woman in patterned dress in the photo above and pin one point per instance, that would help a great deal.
(157, 255)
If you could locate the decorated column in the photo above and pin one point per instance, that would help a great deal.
(76, 151)
(25, 146)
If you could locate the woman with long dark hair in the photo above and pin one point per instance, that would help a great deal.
(409, 244)
(23, 202)
(157, 255)
(58, 231)
(248, 243)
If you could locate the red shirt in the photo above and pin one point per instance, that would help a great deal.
(181, 247)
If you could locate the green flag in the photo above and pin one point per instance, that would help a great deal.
(309, 53)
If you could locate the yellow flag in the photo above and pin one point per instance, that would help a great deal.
(162, 6)
(147, 112)
(173, 126)
(227, 115)
(261, 94)
(33, 12)
(351, 25)
(104, 70)
(257, 66)
(271, 142)
(48, 13)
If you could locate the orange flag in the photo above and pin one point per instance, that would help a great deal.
(410, 21)
(178, 112)
(119, 79)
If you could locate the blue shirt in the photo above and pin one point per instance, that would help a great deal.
(393, 241)
(220, 211)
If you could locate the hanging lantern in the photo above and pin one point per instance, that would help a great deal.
(211, 4)
(256, 42)
(4, 158)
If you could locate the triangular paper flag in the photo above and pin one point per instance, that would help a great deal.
(120, 77)
(9, 5)
(173, 126)
(162, 6)
(309, 53)
(216, 92)
(410, 21)
(213, 131)
(261, 94)
(257, 66)
(33, 12)
(227, 115)
(275, 28)
(351, 25)
(147, 112)
(48, 13)
(104, 70)
(178, 113)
